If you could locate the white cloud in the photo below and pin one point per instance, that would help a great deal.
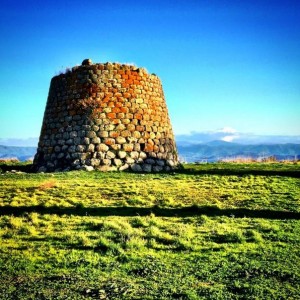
(227, 129)
(228, 134)
(229, 138)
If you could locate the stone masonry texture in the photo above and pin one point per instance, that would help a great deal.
(106, 116)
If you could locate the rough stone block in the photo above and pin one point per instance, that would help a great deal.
(110, 155)
(80, 148)
(95, 162)
(77, 140)
(157, 168)
(127, 147)
(106, 162)
(57, 149)
(91, 134)
(102, 148)
(125, 133)
(96, 140)
(69, 142)
(120, 140)
(118, 162)
(87, 168)
(72, 149)
(61, 142)
(124, 167)
(147, 168)
(100, 155)
(116, 147)
(73, 134)
(90, 148)
(122, 154)
(134, 155)
(106, 168)
(136, 168)
(103, 134)
(143, 155)
(160, 162)
(130, 160)
(109, 141)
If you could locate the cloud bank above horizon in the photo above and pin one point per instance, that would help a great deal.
(228, 134)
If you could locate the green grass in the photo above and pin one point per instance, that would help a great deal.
(215, 231)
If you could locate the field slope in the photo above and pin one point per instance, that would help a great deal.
(215, 231)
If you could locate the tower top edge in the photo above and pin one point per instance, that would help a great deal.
(87, 64)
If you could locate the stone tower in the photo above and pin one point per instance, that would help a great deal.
(106, 116)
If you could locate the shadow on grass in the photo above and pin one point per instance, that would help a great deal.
(22, 167)
(197, 170)
(190, 211)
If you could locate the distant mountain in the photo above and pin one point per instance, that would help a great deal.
(210, 152)
(216, 150)
(231, 135)
(21, 153)
(26, 142)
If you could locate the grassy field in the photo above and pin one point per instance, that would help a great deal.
(213, 231)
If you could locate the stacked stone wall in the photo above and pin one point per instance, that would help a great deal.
(108, 117)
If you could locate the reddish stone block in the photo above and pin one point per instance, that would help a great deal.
(124, 109)
(97, 110)
(148, 148)
(114, 134)
(109, 94)
(121, 115)
(156, 148)
(124, 85)
(116, 121)
(111, 115)
(118, 94)
(138, 116)
(109, 141)
(116, 110)
(126, 95)
(139, 128)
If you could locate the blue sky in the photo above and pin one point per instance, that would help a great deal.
(223, 64)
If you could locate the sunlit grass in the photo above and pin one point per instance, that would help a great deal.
(207, 232)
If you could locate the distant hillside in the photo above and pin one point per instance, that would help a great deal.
(216, 150)
(21, 153)
(212, 151)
